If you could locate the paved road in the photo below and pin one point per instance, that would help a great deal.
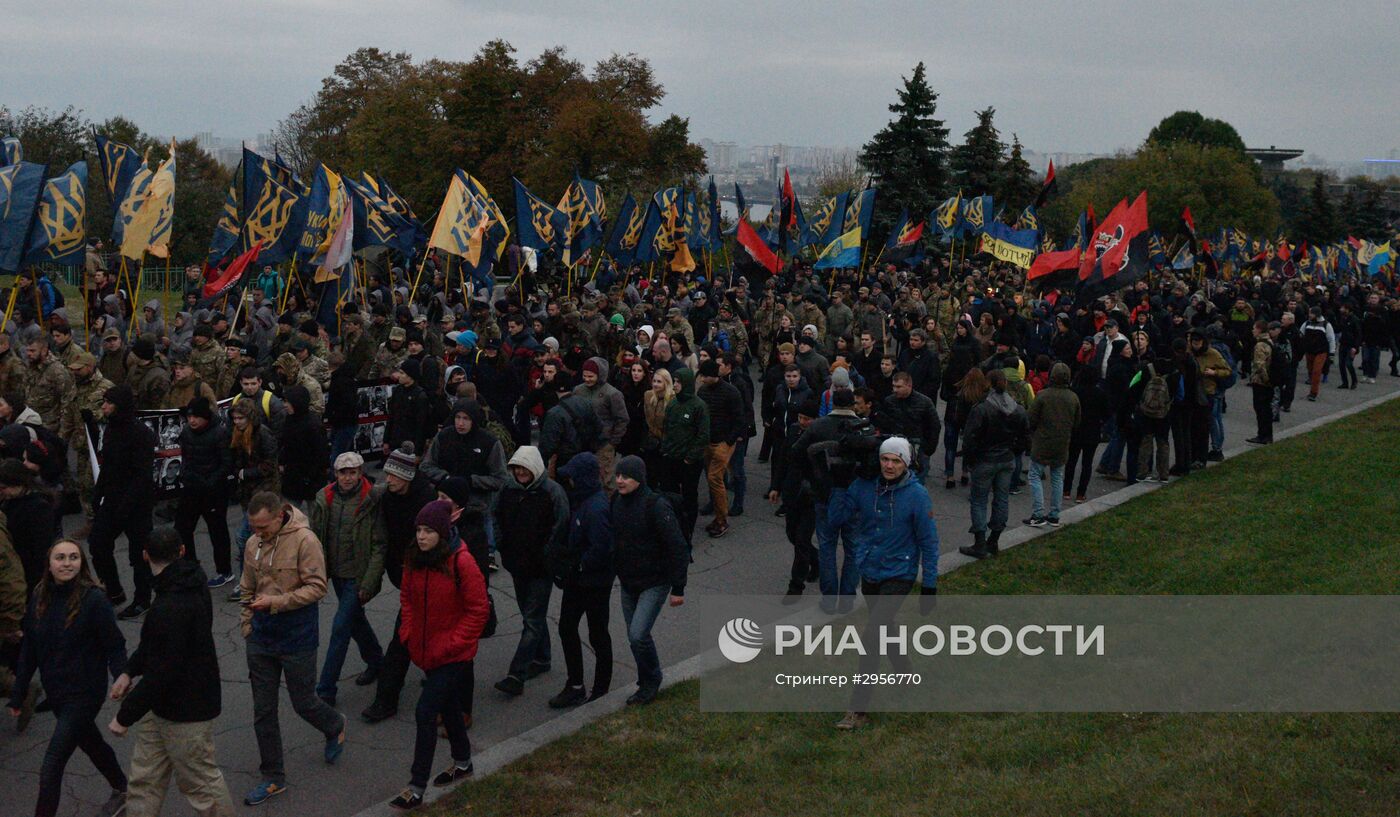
(752, 559)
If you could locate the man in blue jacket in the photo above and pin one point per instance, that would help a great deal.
(895, 537)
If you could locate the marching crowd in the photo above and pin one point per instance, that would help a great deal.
(561, 433)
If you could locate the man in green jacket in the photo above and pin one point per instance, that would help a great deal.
(1054, 416)
(345, 517)
(685, 432)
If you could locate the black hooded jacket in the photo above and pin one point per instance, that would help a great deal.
(128, 451)
(176, 660)
(302, 450)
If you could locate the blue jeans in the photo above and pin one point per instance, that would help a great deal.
(1057, 488)
(245, 532)
(830, 580)
(640, 610)
(738, 481)
(951, 432)
(440, 697)
(1217, 422)
(1113, 452)
(532, 594)
(1370, 361)
(993, 478)
(350, 622)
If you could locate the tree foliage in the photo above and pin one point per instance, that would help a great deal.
(1219, 184)
(908, 159)
(838, 176)
(543, 120)
(976, 163)
(1191, 126)
(1018, 184)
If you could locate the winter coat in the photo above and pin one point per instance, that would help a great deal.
(14, 587)
(686, 430)
(725, 406)
(649, 549)
(584, 557)
(476, 455)
(914, 417)
(1054, 416)
(342, 408)
(400, 515)
(351, 532)
(922, 366)
(302, 450)
(997, 429)
(443, 609)
(207, 458)
(530, 519)
(895, 534)
(256, 470)
(176, 660)
(608, 404)
(408, 417)
(128, 451)
(73, 660)
(290, 571)
(559, 438)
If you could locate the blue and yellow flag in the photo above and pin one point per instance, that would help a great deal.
(1028, 219)
(859, 211)
(1156, 251)
(583, 210)
(462, 222)
(409, 233)
(650, 236)
(225, 236)
(1017, 247)
(376, 223)
(21, 189)
(11, 151)
(269, 219)
(541, 227)
(58, 234)
(148, 211)
(976, 214)
(843, 253)
(823, 227)
(273, 208)
(626, 229)
(325, 207)
(944, 217)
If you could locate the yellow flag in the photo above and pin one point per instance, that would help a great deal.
(149, 210)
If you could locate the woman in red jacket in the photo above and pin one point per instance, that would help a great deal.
(444, 610)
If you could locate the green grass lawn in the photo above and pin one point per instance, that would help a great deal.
(1314, 514)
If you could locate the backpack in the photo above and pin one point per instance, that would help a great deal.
(1280, 361)
(1224, 383)
(588, 430)
(1156, 401)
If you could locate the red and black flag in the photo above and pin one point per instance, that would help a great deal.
(904, 244)
(1054, 269)
(787, 221)
(1048, 187)
(756, 247)
(1119, 252)
(1188, 228)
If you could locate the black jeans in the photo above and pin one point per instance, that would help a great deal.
(441, 696)
(532, 594)
(213, 509)
(110, 521)
(576, 604)
(681, 477)
(76, 729)
(1081, 453)
(393, 669)
(800, 524)
(883, 600)
(266, 670)
(1263, 411)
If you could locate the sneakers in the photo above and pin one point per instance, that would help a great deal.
(335, 746)
(263, 792)
(1080, 499)
(378, 711)
(407, 800)
(1258, 441)
(569, 696)
(115, 805)
(853, 721)
(716, 531)
(642, 697)
(1215, 455)
(236, 595)
(369, 676)
(134, 610)
(736, 510)
(511, 685)
(1053, 520)
(452, 775)
(1114, 476)
(218, 580)
(491, 565)
(1034, 521)
(949, 483)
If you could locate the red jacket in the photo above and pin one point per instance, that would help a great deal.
(444, 610)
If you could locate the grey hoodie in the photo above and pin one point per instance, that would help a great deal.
(155, 326)
(608, 403)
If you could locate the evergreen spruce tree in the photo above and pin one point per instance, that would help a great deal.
(977, 161)
(1019, 185)
(1319, 224)
(908, 160)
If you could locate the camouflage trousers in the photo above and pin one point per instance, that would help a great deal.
(184, 751)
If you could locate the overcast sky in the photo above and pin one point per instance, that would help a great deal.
(1066, 75)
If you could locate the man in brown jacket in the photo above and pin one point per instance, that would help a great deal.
(284, 577)
(1054, 416)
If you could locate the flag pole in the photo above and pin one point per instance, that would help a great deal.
(135, 298)
(10, 308)
(417, 279)
(87, 330)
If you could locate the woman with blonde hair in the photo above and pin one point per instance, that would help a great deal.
(654, 404)
(71, 639)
